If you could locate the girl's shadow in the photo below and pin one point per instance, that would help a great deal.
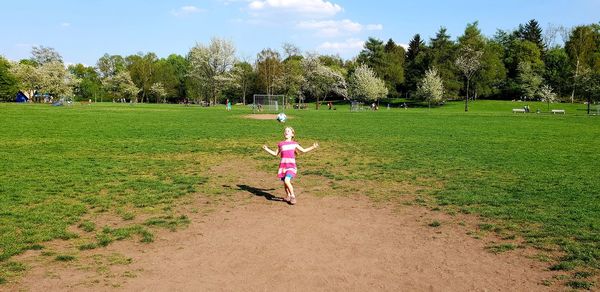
(260, 193)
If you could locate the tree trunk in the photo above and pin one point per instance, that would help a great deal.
(575, 81)
(589, 101)
(244, 95)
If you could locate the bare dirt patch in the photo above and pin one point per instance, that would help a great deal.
(263, 117)
(255, 241)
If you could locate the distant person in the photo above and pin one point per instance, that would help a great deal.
(228, 105)
(287, 166)
(330, 104)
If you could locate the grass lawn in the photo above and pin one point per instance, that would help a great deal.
(534, 175)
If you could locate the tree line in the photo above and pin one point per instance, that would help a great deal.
(524, 63)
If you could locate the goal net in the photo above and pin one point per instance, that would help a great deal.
(269, 103)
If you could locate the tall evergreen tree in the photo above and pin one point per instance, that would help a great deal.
(394, 57)
(441, 55)
(372, 55)
(416, 63)
(472, 37)
(415, 46)
(532, 32)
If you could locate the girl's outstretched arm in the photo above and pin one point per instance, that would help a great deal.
(313, 147)
(274, 153)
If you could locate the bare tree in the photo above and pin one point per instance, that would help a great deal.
(291, 50)
(550, 34)
(468, 62)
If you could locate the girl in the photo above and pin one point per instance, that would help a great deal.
(287, 166)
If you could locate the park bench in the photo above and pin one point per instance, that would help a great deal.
(558, 111)
(518, 110)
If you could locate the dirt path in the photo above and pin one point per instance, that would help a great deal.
(320, 244)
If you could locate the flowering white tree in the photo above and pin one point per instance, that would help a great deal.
(51, 77)
(57, 80)
(211, 65)
(158, 90)
(120, 85)
(431, 87)
(320, 80)
(468, 62)
(547, 95)
(28, 78)
(364, 85)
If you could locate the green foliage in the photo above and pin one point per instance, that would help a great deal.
(558, 71)
(490, 79)
(142, 68)
(529, 81)
(416, 63)
(110, 65)
(90, 85)
(441, 55)
(8, 82)
(373, 56)
(268, 69)
(531, 32)
(393, 75)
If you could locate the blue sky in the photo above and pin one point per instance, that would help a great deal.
(83, 30)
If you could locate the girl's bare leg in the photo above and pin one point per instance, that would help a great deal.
(288, 184)
(287, 192)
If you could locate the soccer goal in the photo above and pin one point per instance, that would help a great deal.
(269, 103)
(356, 106)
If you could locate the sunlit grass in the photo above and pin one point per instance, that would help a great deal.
(535, 175)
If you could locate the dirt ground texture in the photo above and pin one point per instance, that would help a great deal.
(257, 242)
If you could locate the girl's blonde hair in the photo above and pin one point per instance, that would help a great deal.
(292, 129)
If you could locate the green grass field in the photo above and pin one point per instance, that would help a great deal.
(535, 176)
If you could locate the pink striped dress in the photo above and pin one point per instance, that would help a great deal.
(287, 166)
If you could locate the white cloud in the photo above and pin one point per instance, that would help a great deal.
(349, 44)
(186, 10)
(332, 28)
(310, 7)
(65, 24)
